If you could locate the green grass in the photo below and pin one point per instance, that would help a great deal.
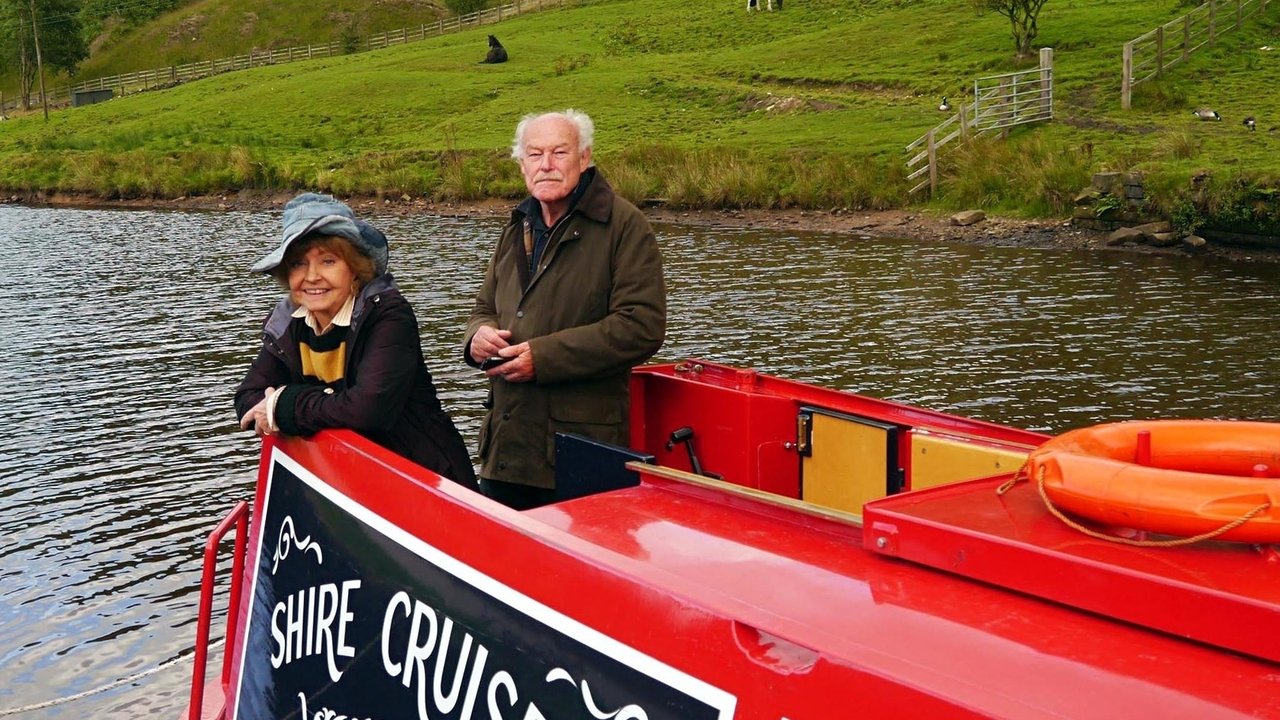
(700, 103)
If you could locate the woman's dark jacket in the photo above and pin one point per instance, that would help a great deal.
(386, 394)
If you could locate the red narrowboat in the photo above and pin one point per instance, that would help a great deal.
(764, 550)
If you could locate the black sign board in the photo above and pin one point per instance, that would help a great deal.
(354, 618)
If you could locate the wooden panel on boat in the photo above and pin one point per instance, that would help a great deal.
(943, 459)
(846, 460)
(1221, 593)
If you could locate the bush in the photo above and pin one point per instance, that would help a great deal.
(466, 7)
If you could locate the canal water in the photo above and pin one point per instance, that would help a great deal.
(125, 333)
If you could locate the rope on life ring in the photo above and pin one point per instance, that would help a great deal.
(1053, 510)
(1007, 485)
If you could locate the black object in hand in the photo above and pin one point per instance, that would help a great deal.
(494, 361)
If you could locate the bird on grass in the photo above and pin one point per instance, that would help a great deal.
(1250, 123)
(944, 106)
(1206, 114)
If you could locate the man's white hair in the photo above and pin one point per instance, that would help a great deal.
(580, 120)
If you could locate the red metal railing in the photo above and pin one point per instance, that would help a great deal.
(239, 517)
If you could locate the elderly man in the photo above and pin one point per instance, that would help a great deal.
(573, 298)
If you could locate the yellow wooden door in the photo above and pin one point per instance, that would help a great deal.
(846, 460)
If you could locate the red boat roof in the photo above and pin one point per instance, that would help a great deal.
(1222, 593)
(808, 581)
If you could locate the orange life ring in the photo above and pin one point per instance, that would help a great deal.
(1198, 476)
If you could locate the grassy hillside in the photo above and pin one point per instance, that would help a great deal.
(207, 29)
(701, 103)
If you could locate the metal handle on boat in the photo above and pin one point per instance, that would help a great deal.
(239, 517)
(684, 435)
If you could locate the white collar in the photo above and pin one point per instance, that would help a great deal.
(343, 318)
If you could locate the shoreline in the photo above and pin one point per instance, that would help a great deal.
(1050, 234)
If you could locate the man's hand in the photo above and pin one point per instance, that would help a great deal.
(519, 369)
(487, 341)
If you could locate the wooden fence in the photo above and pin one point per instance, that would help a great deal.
(999, 102)
(175, 74)
(1149, 55)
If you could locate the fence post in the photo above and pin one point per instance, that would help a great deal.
(1159, 51)
(977, 98)
(1006, 98)
(1126, 76)
(1186, 36)
(1046, 80)
(933, 163)
(964, 121)
(1237, 14)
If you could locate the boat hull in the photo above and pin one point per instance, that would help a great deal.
(667, 596)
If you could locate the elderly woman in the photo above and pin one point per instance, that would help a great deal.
(341, 350)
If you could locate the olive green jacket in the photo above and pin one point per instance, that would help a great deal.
(594, 308)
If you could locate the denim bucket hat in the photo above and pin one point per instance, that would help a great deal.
(311, 213)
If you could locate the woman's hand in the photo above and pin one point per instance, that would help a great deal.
(257, 415)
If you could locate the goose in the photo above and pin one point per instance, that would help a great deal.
(1206, 114)
(944, 106)
(1250, 123)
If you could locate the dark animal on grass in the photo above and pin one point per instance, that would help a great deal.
(1250, 123)
(497, 53)
(1205, 113)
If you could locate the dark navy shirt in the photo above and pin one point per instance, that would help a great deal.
(532, 210)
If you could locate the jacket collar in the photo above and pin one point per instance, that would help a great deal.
(278, 322)
(596, 202)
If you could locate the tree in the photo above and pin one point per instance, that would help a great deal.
(62, 47)
(464, 7)
(1022, 16)
(117, 17)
